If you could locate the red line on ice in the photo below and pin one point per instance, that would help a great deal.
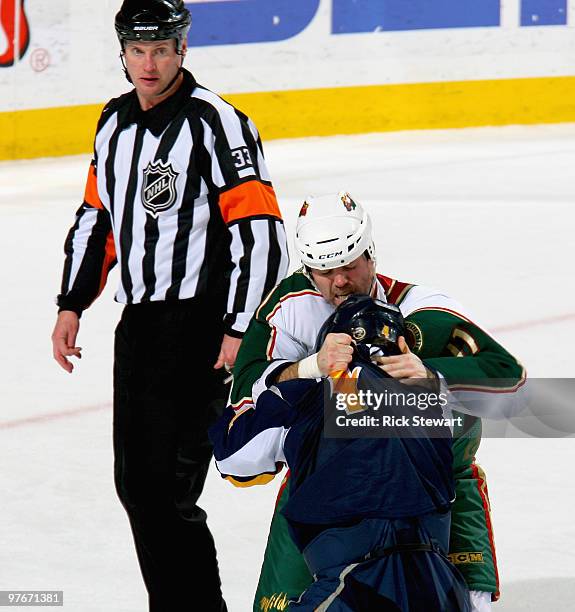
(54, 416)
(534, 323)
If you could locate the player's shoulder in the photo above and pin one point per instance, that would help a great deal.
(435, 302)
(395, 290)
(296, 285)
(411, 297)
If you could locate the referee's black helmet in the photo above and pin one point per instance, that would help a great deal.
(152, 20)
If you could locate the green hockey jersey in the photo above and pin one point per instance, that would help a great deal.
(284, 330)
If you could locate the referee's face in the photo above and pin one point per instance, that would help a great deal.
(153, 66)
(337, 284)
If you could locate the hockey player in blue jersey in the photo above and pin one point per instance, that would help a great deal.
(370, 514)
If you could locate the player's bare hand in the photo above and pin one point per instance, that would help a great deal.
(335, 354)
(228, 352)
(64, 339)
(407, 367)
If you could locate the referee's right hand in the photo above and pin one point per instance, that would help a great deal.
(64, 339)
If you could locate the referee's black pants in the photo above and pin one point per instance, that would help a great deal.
(166, 395)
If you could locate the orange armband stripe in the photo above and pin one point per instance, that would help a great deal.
(91, 196)
(249, 199)
(109, 260)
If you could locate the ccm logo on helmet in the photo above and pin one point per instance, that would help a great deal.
(330, 255)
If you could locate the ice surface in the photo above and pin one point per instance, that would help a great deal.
(486, 214)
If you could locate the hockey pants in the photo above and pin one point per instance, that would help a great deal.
(395, 565)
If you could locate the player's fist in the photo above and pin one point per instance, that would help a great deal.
(335, 354)
(408, 367)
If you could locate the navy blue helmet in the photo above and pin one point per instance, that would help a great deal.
(370, 322)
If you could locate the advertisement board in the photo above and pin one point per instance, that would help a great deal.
(299, 67)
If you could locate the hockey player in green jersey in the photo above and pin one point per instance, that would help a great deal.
(334, 241)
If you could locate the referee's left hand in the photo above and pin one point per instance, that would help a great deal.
(228, 352)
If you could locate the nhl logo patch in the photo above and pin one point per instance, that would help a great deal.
(159, 187)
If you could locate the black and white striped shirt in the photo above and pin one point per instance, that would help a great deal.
(180, 197)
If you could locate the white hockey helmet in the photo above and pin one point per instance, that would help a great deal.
(333, 231)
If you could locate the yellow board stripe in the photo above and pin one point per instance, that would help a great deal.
(48, 132)
(323, 112)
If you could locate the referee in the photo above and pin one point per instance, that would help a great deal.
(179, 196)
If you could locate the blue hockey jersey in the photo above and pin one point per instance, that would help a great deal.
(337, 481)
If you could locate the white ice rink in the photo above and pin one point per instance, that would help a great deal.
(486, 214)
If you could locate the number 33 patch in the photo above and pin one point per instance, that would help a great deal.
(242, 158)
